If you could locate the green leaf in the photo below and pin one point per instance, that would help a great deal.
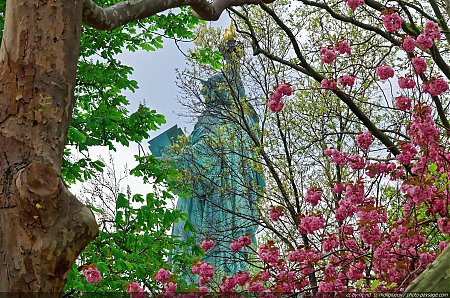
(375, 283)
(432, 167)
(76, 135)
(122, 201)
(188, 227)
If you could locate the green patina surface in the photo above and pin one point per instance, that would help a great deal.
(224, 183)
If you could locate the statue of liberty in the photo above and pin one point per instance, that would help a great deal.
(219, 164)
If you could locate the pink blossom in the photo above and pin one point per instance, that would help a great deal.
(203, 280)
(354, 4)
(392, 22)
(328, 56)
(345, 210)
(334, 286)
(162, 275)
(276, 106)
(276, 103)
(406, 82)
(227, 285)
(240, 243)
(444, 225)
(268, 254)
(364, 140)
(338, 188)
(207, 244)
(276, 213)
(356, 271)
(196, 268)
(351, 245)
(171, 287)
(330, 272)
(343, 48)
(385, 72)
(245, 240)
(426, 259)
(424, 42)
(435, 87)
(309, 224)
(236, 246)
(378, 168)
(443, 245)
(432, 30)
(313, 196)
(285, 88)
(135, 291)
(206, 270)
(346, 229)
(328, 84)
(92, 275)
(242, 278)
(356, 162)
(418, 194)
(402, 103)
(439, 207)
(408, 153)
(276, 96)
(203, 290)
(330, 243)
(372, 216)
(419, 65)
(265, 275)
(370, 234)
(408, 44)
(297, 256)
(336, 156)
(346, 80)
(355, 193)
(255, 287)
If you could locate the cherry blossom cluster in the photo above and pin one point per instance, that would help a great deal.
(435, 87)
(310, 224)
(269, 253)
(241, 242)
(385, 72)
(364, 140)
(354, 4)
(276, 213)
(92, 275)
(134, 290)
(329, 54)
(392, 21)
(425, 40)
(313, 196)
(403, 103)
(207, 244)
(405, 237)
(163, 276)
(276, 103)
(406, 82)
(205, 270)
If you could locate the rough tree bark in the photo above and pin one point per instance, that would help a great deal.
(43, 227)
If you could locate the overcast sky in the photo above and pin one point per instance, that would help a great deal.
(155, 73)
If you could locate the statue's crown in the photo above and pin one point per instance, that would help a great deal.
(229, 34)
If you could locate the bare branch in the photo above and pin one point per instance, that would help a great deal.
(133, 10)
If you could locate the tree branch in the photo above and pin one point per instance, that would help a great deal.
(133, 10)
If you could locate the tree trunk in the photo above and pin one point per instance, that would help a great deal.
(43, 227)
(436, 278)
